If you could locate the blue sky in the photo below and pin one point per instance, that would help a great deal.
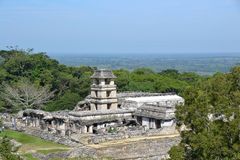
(121, 26)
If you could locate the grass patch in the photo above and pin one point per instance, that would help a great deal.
(51, 151)
(84, 158)
(29, 156)
(31, 143)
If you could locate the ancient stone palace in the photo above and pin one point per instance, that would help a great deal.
(105, 110)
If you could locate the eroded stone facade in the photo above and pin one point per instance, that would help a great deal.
(105, 111)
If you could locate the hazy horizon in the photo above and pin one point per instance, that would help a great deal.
(133, 53)
(199, 63)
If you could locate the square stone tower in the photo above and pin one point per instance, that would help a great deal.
(103, 91)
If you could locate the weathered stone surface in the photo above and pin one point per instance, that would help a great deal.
(15, 145)
(99, 112)
(155, 149)
(100, 138)
(39, 156)
(155, 111)
(46, 115)
(74, 153)
(83, 152)
(163, 100)
(141, 94)
(103, 73)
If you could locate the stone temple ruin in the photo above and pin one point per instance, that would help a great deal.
(105, 110)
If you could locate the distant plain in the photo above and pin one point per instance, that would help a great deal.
(204, 64)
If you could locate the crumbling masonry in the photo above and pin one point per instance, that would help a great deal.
(106, 111)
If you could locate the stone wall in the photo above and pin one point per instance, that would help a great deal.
(65, 140)
(152, 149)
(76, 152)
(100, 138)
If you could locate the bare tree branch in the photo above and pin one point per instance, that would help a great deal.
(26, 95)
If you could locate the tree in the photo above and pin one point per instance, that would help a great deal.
(6, 150)
(211, 115)
(143, 71)
(177, 153)
(170, 72)
(24, 95)
(67, 101)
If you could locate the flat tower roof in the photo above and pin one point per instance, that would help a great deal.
(103, 73)
(155, 98)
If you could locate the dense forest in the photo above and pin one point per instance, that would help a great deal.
(210, 114)
(23, 72)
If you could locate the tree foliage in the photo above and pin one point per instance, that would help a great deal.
(72, 84)
(42, 74)
(146, 80)
(211, 115)
(6, 150)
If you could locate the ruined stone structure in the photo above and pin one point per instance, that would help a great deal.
(156, 111)
(106, 115)
(105, 111)
(103, 91)
(154, 116)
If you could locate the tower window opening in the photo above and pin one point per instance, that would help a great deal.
(108, 93)
(107, 81)
(97, 82)
(108, 106)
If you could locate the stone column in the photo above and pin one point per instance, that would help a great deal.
(27, 121)
(98, 126)
(34, 122)
(53, 123)
(145, 122)
(30, 122)
(84, 129)
(93, 106)
(37, 122)
(62, 127)
(152, 123)
(74, 127)
(46, 125)
(93, 94)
